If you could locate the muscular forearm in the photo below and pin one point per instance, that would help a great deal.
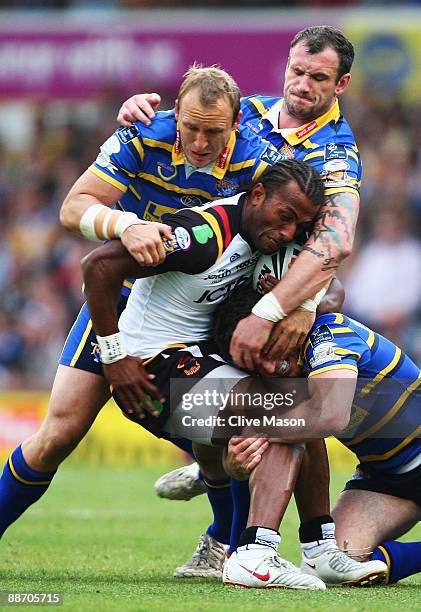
(104, 270)
(73, 209)
(89, 190)
(330, 243)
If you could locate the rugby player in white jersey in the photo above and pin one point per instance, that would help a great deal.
(213, 251)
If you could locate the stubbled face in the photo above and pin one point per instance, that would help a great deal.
(310, 82)
(204, 130)
(277, 219)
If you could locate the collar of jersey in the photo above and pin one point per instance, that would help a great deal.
(221, 165)
(304, 131)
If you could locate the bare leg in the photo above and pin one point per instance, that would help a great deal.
(312, 487)
(76, 398)
(365, 519)
(272, 483)
(210, 460)
(256, 563)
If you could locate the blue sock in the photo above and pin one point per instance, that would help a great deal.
(219, 495)
(402, 558)
(20, 486)
(241, 503)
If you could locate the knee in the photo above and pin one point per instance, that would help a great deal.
(210, 462)
(354, 539)
(49, 447)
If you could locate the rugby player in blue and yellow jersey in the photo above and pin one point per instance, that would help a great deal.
(195, 154)
(364, 390)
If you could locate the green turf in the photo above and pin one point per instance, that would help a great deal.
(103, 538)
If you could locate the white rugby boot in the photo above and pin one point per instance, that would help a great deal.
(206, 561)
(182, 483)
(264, 569)
(333, 566)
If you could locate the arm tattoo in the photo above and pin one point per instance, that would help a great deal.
(334, 229)
(308, 248)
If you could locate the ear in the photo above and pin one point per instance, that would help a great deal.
(237, 120)
(342, 84)
(258, 195)
(177, 109)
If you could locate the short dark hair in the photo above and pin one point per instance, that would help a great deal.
(317, 38)
(285, 170)
(228, 314)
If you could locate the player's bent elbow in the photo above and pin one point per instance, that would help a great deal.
(334, 425)
(67, 216)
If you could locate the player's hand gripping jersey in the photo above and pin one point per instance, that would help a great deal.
(149, 167)
(177, 307)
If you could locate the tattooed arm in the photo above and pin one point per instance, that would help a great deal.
(330, 243)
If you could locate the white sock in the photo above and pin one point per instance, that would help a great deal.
(265, 538)
(313, 549)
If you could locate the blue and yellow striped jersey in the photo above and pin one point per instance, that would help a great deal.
(148, 165)
(385, 427)
(327, 143)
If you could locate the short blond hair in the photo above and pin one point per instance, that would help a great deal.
(212, 83)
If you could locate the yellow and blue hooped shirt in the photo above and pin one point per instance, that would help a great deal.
(385, 424)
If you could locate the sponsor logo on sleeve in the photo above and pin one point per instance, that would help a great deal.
(202, 233)
(320, 334)
(335, 165)
(335, 151)
(181, 241)
(126, 134)
(182, 238)
(339, 178)
(323, 353)
(110, 147)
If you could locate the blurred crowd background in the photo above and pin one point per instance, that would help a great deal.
(46, 143)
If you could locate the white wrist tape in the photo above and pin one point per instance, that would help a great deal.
(112, 348)
(125, 220)
(269, 308)
(312, 303)
(87, 222)
(99, 222)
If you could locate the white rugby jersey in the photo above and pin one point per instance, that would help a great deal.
(174, 307)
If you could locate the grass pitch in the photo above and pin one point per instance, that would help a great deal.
(102, 538)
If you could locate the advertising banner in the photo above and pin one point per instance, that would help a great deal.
(78, 63)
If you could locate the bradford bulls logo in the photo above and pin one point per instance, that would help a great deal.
(188, 364)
